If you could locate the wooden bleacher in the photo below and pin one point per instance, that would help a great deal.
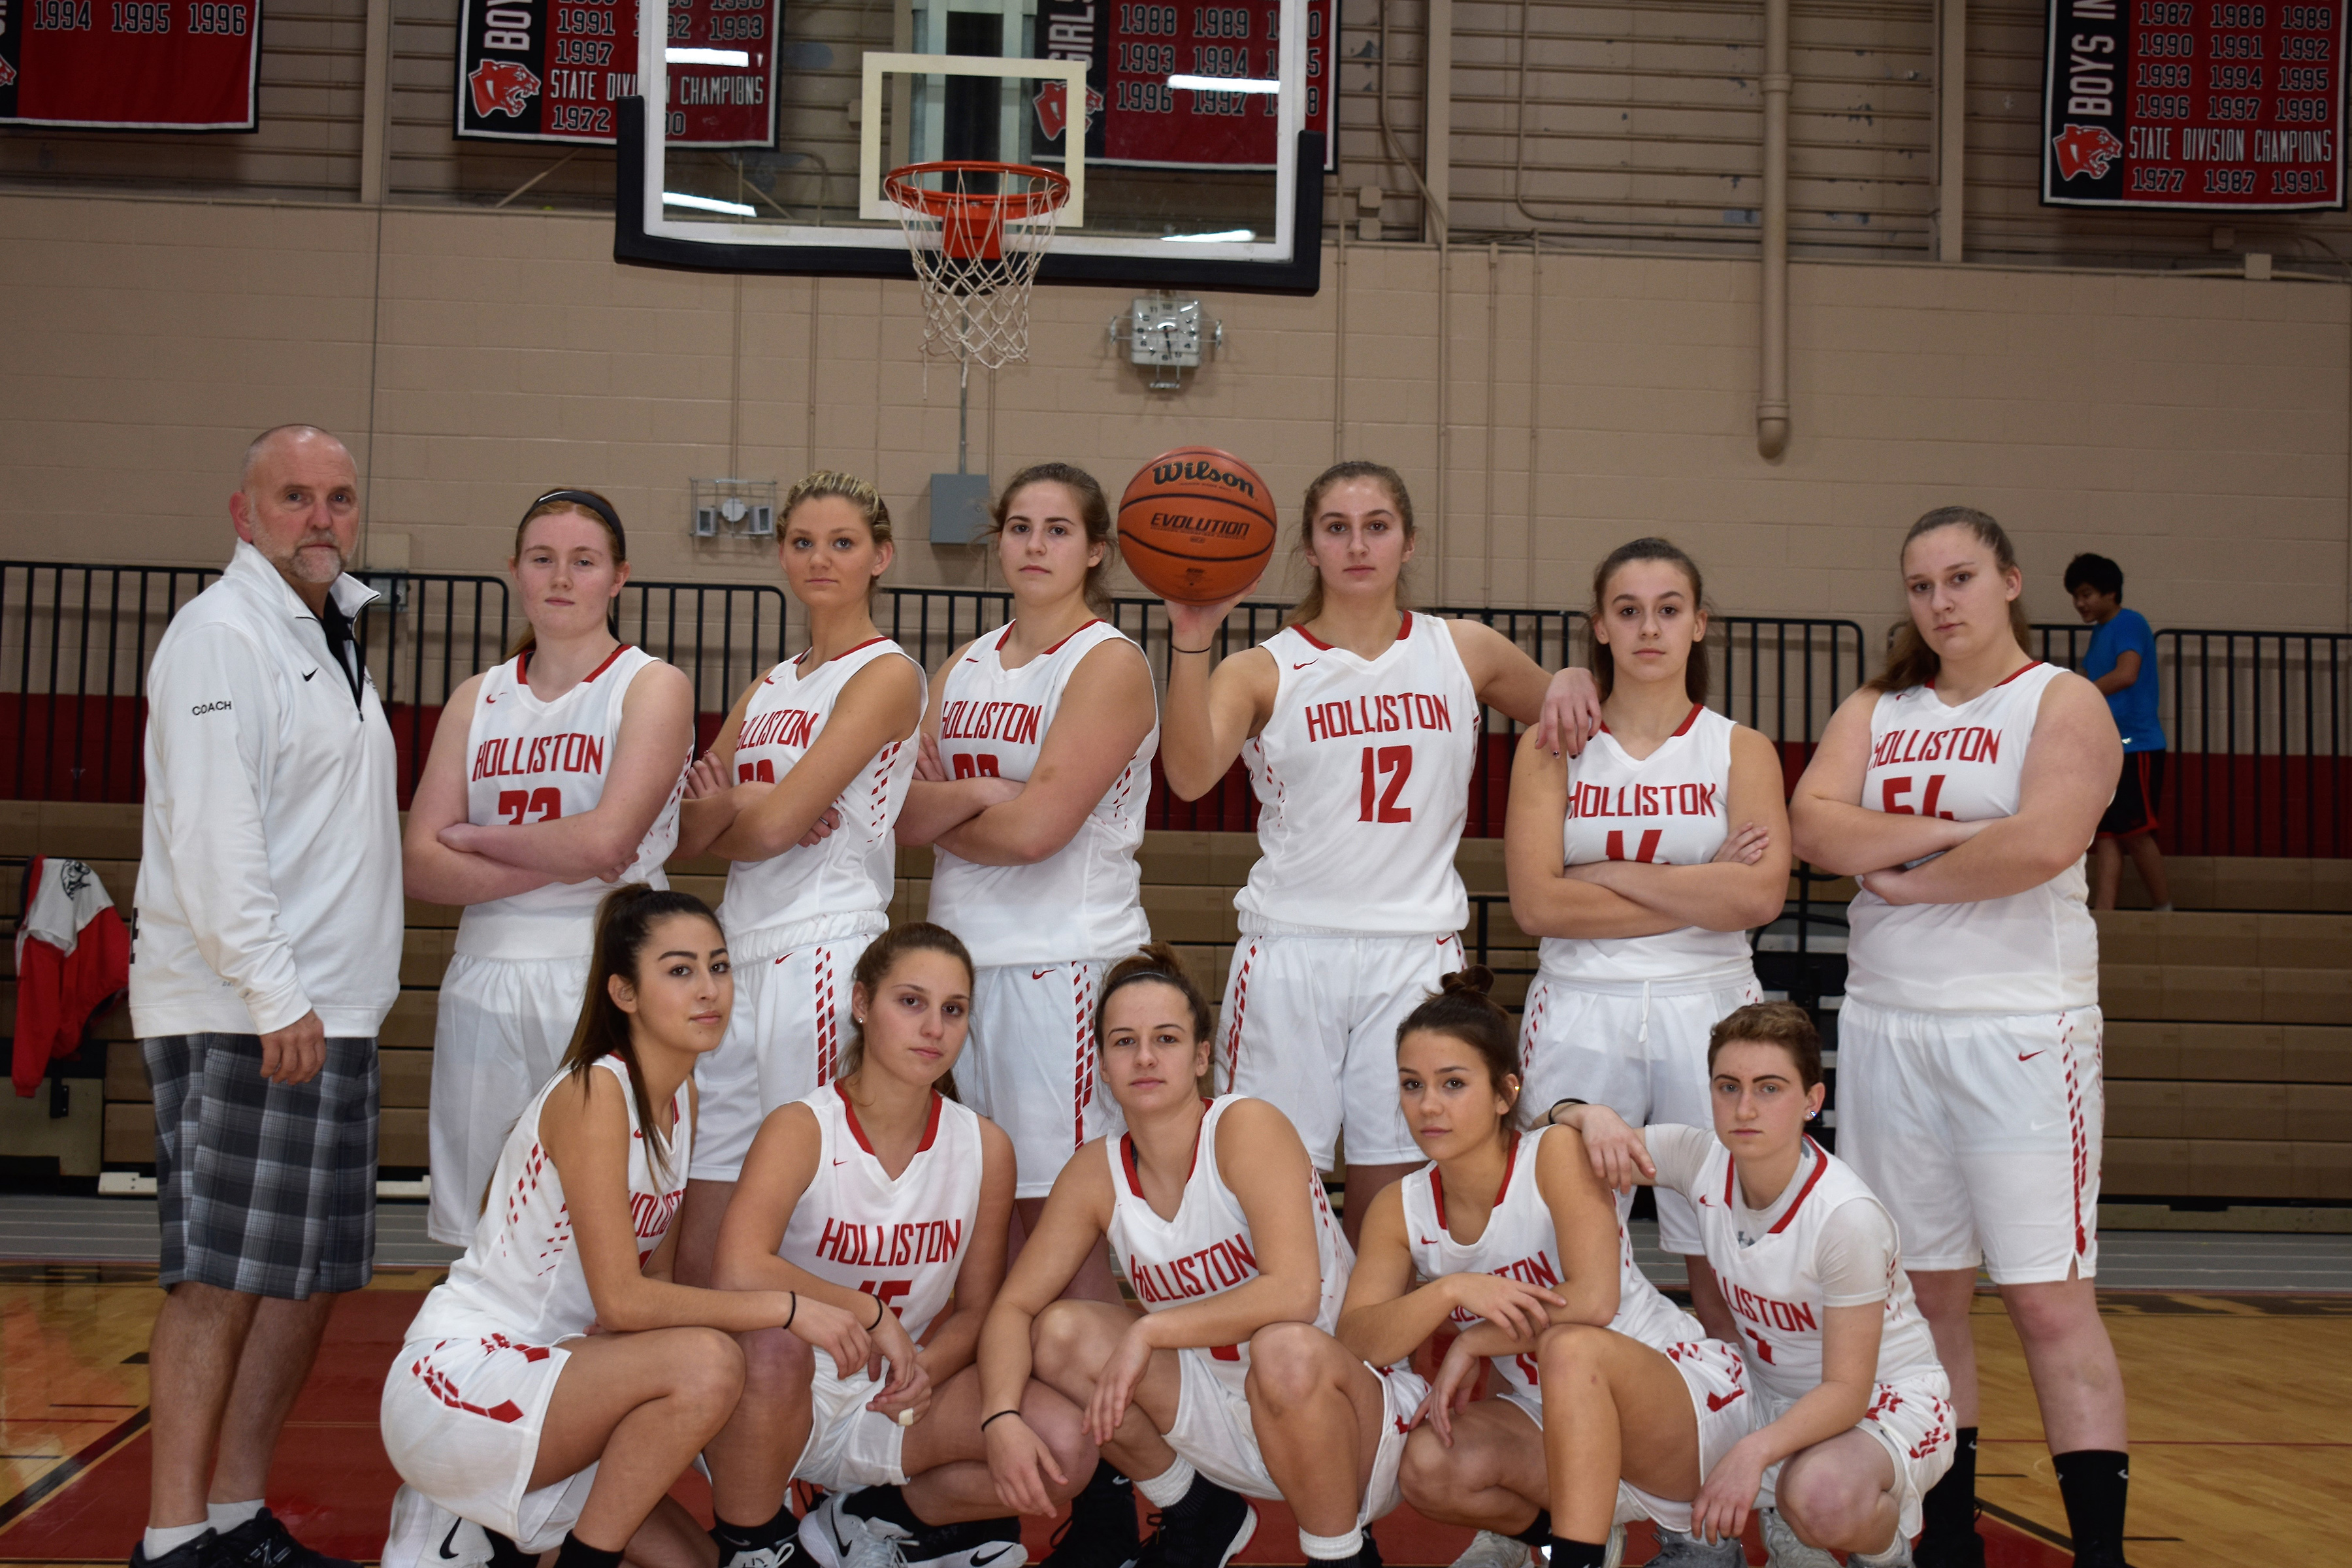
(2229, 1039)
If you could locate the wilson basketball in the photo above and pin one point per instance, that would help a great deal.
(1196, 525)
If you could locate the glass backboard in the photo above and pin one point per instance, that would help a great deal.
(1194, 134)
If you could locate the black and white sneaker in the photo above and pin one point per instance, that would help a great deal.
(262, 1542)
(1100, 1531)
(833, 1537)
(1203, 1528)
(203, 1551)
(974, 1543)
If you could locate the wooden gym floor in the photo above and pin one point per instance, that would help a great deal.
(2241, 1449)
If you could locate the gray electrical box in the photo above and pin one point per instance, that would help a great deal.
(959, 506)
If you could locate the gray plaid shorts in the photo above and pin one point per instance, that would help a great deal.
(266, 1188)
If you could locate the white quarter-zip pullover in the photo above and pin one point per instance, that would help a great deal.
(269, 868)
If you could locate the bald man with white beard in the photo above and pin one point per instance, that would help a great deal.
(267, 955)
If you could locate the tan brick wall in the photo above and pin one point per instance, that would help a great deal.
(2195, 428)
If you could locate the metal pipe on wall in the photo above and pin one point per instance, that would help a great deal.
(1772, 392)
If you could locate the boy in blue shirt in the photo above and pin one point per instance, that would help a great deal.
(2121, 662)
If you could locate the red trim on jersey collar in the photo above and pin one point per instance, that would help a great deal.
(523, 665)
(1820, 1165)
(849, 1110)
(1689, 719)
(1404, 630)
(1127, 1156)
(1437, 1183)
(844, 653)
(2004, 680)
(1094, 621)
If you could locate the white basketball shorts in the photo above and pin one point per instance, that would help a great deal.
(501, 1028)
(1727, 1409)
(1981, 1132)
(849, 1446)
(1310, 1026)
(1911, 1420)
(1636, 1046)
(1214, 1432)
(785, 1038)
(461, 1419)
(1029, 1064)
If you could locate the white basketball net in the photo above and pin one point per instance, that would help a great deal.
(976, 252)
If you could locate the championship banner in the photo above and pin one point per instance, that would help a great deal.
(130, 65)
(550, 70)
(2193, 103)
(1135, 116)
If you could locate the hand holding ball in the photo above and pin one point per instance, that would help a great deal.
(1197, 526)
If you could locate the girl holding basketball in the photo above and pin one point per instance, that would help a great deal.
(1514, 1240)
(549, 775)
(1360, 723)
(1228, 1383)
(1961, 787)
(1036, 760)
(800, 790)
(882, 1195)
(1643, 863)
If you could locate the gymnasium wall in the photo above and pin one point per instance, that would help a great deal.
(2195, 428)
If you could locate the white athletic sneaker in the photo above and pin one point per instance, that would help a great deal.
(836, 1538)
(785, 1553)
(427, 1535)
(1783, 1549)
(1678, 1550)
(1489, 1550)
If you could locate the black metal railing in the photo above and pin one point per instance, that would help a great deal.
(2257, 719)
(2257, 725)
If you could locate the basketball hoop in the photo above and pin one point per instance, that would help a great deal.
(977, 231)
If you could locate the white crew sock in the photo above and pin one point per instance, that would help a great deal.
(1167, 1489)
(1896, 1551)
(1331, 1548)
(171, 1538)
(226, 1515)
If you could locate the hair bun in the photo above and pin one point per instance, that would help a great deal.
(1476, 981)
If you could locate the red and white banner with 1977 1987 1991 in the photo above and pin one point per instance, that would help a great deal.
(2225, 105)
(130, 65)
(550, 70)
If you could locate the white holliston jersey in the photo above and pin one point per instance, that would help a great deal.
(1362, 775)
(1520, 1244)
(1207, 1250)
(2034, 952)
(1670, 808)
(1084, 901)
(1773, 1283)
(846, 879)
(521, 1277)
(902, 1241)
(528, 761)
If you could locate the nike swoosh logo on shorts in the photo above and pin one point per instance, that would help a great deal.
(312, 672)
(455, 1526)
(1039, 974)
(1716, 1402)
(2029, 1056)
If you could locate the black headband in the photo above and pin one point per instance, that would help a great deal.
(596, 504)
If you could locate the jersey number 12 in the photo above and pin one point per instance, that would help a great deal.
(1396, 761)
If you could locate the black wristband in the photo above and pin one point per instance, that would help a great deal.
(796, 1309)
(1173, 648)
(881, 1310)
(1555, 1110)
(998, 1416)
